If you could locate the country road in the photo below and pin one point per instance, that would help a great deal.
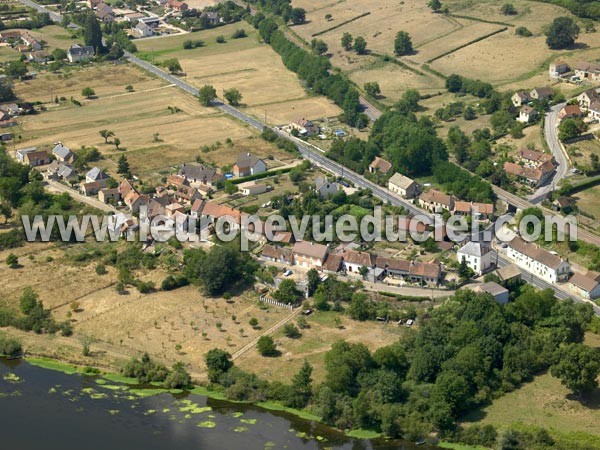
(562, 170)
(55, 186)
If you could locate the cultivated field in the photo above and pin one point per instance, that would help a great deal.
(245, 64)
(135, 118)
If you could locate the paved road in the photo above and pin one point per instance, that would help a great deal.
(562, 170)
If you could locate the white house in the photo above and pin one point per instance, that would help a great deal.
(536, 260)
(253, 188)
(308, 254)
(354, 260)
(557, 68)
(142, 29)
(326, 188)
(403, 186)
(477, 255)
(248, 164)
(78, 53)
(527, 114)
(585, 286)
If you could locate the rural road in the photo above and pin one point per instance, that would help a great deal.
(562, 170)
(92, 201)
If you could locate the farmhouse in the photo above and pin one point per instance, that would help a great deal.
(395, 268)
(570, 112)
(61, 171)
(586, 286)
(31, 42)
(425, 273)
(333, 263)
(527, 114)
(63, 153)
(541, 93)
(353, 261)
(305, 127)
(200, 173)
(280, 255)
(309, 254)
(326, 188)
(91, 188)
(477, 255)
(95, 174)
(436, 201)
(500, 293)
(107, 195)
(33, 157)
(587, 71)
(142, 29)
(534, 158)
(520, 98)
(558, 68)
(534, 176)
(380, 165)
(247, 164)
(6, 36)
(78, 53)
(39, 56)
(536, 260)
(403, 186)
(585, 99)
(480, 210)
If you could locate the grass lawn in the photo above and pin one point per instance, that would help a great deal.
(588, 201)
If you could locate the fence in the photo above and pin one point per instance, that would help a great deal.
(266, 299)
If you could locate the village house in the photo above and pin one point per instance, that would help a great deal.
(585, 286)
(104, 13)
(39, 56)
(520, 98)
(527, 114)
(533, 176)
(33, 157)
(95, 174)
(594, 110)
(214, 211)
(557, 69)
(93, 3)
(436, 201)
(172, 208)
(425, 273)
(541, 93)
(253, 188)
(61, 171)
(109, 195)
(88, 188)
(508, 273)
(479, 210)
(248, 164)
(326, 188)
(143, 30)
(394, 268)
(500, 293)
(477, 255)
(133, 17)
(353, 260)
(533, 158)
(570, 112)
(587, 71)
(281, 255)
(333, 263)
(536, 260)
(309, 254)
(200, 174)
(176, 5)
(304, 127)
(6, 36)
(78, 53)
(197, 208)
(63, 153)
(12, 109)
(585, 99)
(403, 186)
(212, 18)
(379, 165)
(31, 42)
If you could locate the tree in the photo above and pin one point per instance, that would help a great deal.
(508, 9)
(92, 33)
(464, 271)
(266, 346)
(298, 16)
(88, 92)
(217, 362)
(12, 261)
(313, 281)
(360, 45)
(363, 271)
(178, 378)
(207, 94)
(403, 44)
(347, 41)
(287, 292)
(253, 322)
(361, 308)
(523, 31)
(28, 300)
(106, 134)
(571, 128)
(372, 88)
(123, 167)
(15, 69)
(233, 96)
(435, 5)
(302, 383)
(319, 47)
(578, 367)
(116, 142)
(290, 330)
(58, 54)
(562, 33)
(173, 65)
(220, 39)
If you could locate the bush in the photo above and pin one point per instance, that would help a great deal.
(101, 269)
(9, 347)
(291, 331)
(239, 33)
(266, 346)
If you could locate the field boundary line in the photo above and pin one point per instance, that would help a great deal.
(467, 44)
(341, 24)
(477, 19)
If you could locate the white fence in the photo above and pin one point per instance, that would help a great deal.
(266, 299)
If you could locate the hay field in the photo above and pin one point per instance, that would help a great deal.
(314, 344)
(245, 64)
(134, 118)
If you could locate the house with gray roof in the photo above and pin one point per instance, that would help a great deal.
(248, 164)
(78, 53)
(63, 153)
(95, 174)
(200, 173)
